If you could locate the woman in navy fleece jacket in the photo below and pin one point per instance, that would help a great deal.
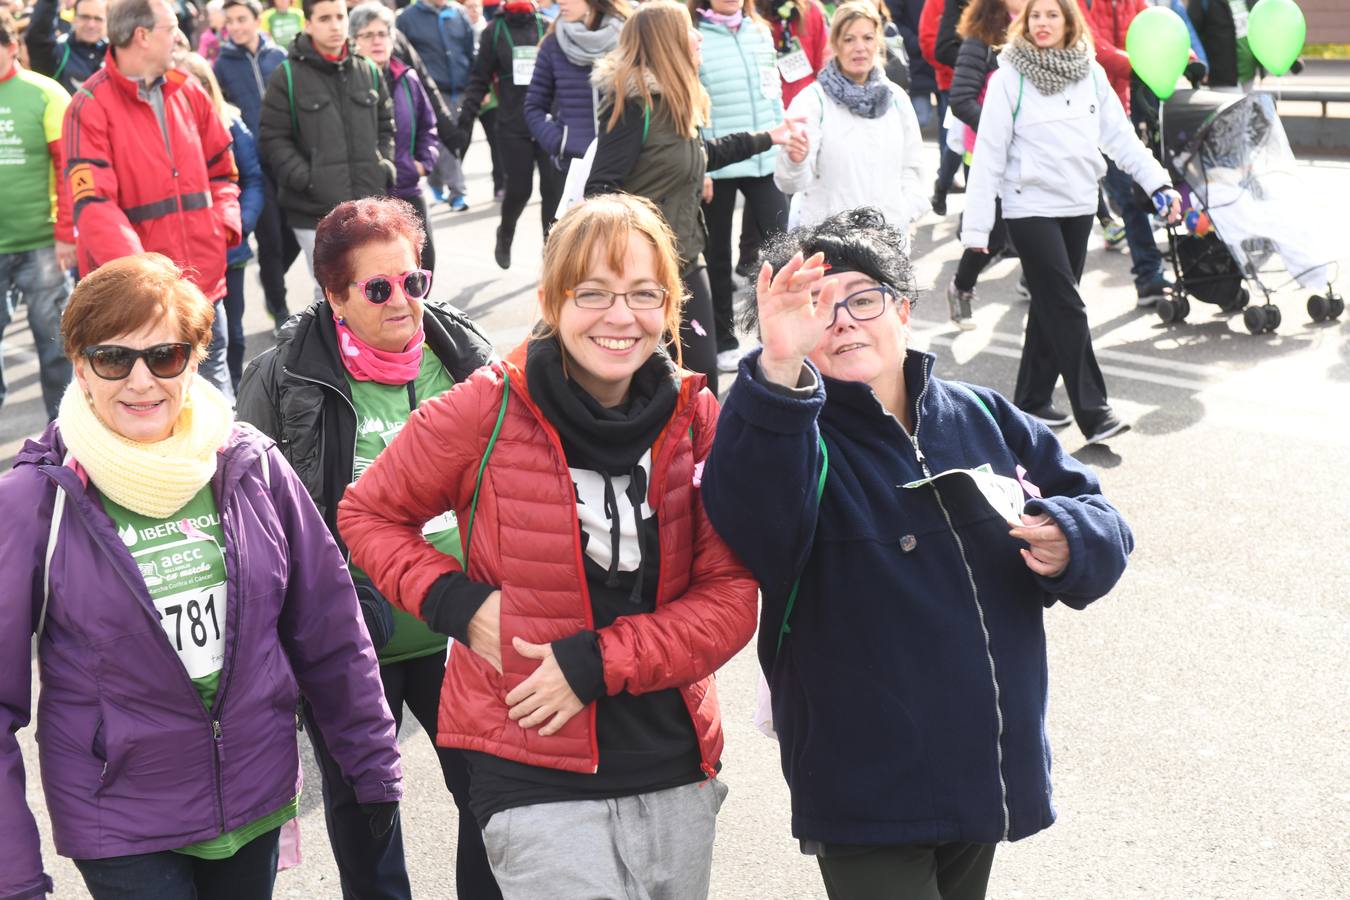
(901, 628)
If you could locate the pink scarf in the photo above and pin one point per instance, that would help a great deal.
(365, 363)
(732, 21)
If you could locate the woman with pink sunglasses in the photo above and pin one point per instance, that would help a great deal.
(345, 376)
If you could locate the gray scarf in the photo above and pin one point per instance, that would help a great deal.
(583, 46)
(1051, 70)
(870, 99)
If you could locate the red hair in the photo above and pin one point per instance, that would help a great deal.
(352, 225)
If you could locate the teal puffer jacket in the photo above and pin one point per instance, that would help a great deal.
(739, 73)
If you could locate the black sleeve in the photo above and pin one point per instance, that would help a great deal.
(579, 658)
(452, 602)
(41, 37)
(480, 79)
(948, 43)
(406, 52)
(256, 400)
(733, 148)
(972, 65)
(616, 150)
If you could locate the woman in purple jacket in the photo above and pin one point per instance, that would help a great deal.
(184, 592)
(416, 141)
(560, 104)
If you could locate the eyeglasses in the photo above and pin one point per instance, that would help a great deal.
(379, 288)
(373, 36)
(113, 363)
(598, 298)
(868, 303)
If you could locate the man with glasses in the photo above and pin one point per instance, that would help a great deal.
(68, 58)
(148, 163)
(36, 243)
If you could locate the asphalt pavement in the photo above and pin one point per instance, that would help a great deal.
(1198, 714)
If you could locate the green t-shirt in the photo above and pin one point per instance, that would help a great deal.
(1246, 60)
(31, 109)
(183, 565)
(381, 411)
(283, 26)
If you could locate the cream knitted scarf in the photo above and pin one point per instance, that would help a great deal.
(1051, 69)
(154, 479)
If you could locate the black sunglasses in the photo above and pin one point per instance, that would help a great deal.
(113, 363)
(379, 288)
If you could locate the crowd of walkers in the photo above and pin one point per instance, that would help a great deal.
(222, 551)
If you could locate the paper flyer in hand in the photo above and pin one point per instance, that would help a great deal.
(1002, 493)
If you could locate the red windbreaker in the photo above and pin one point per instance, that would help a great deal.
(929, 20)
(526, 540)
(134, 188)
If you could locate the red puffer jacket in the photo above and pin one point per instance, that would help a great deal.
(133, 188)
(526, 540)
(1109, 21)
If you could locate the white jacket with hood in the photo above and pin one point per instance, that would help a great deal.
(1043, 154)
(853, 161)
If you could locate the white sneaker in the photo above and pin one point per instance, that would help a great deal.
(729, 360)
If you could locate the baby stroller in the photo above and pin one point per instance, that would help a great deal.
(1229, 153)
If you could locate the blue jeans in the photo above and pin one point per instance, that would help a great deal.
(34, 275)
(214, 368)
(248, 875)
(1146, 263)
(923, 108)
(234, 323)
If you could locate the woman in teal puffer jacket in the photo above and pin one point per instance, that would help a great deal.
(741, 78)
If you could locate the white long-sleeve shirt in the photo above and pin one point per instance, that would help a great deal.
(853, 161)
(1044, 156)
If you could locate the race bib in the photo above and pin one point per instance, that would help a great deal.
(186, 581)
(522, 65)
(794, 66)
(1003, 494)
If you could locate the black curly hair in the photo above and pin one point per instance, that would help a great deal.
(859, 239)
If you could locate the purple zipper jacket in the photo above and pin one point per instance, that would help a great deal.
(131, 760)
(415, 136)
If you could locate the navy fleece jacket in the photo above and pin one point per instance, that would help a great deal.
(910, 688)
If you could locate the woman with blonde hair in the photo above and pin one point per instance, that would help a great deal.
(1049, 114)
(594, 602)
(251, 198)
(652, 107)
(864, 145)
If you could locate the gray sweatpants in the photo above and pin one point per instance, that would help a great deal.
(305, 237)
(655, 846)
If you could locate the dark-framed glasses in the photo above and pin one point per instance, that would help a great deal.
(112, 362)
(379, 288)
(638, 298)
(868, 303)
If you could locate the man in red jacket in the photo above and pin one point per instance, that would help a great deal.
(148, 163)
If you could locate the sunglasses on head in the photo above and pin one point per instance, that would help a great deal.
(113, 363)
(379, 288)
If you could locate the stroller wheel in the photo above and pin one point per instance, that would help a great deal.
(1337, 306)
(1239, 301)
(1183, 305)
(1254, 317)
(1319, 309)
(1272, 317)
(1167, 311)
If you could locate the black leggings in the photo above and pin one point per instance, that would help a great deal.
(765, 205)
(698, 334)
(1058, 341)
(974, 262)
(520, 157)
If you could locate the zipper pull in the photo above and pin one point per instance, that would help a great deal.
(923, 460)
(215, 730)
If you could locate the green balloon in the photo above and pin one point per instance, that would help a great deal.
(1275, 32)
(1159, 46)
